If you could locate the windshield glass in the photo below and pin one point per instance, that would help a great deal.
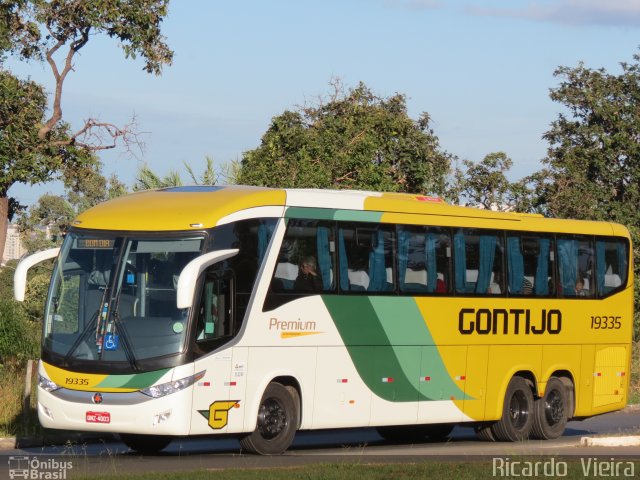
(114, 298)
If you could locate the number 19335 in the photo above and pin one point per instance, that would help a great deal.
(605, 322)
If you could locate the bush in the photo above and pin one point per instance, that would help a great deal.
(19, 337)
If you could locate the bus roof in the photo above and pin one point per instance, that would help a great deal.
(198, 207)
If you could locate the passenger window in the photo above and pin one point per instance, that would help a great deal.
(424, 258)
(575, 256)
(478, 262)
(611, 265)
(306, 261)
(366, 257)
(530, 263)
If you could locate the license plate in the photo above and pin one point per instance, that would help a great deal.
(98, 417)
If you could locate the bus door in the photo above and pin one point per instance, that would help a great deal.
(214, 326)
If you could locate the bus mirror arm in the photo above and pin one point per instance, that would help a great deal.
(190, 273)
(20, 275)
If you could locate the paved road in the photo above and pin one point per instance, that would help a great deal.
(352, 445)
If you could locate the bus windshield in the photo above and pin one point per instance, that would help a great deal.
(113, 298)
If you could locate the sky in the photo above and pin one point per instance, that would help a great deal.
(482, 69)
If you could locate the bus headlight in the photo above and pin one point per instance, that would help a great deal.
(47, 384)
(168, 388)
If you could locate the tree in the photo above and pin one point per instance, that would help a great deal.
(593, 159)
(147, 179)
(85, 186)
(14, 34)
(35, 147)
(485, 184)
(46, 222)
(594, 153)
(44, 29)
(355, 140)
(25, 158)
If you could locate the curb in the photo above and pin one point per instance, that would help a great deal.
(7, 443)
(622, 441)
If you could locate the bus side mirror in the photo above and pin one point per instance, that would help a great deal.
(20, 276)
(190, 273)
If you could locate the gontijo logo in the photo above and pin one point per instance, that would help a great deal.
(500, 321)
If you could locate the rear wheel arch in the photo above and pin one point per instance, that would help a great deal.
(530, 378)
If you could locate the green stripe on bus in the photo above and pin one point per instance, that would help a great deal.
(311, 213)
(391, 347)
(358, 216)
(403, 324)
(378, 364)
(332, 214)
(138, 380)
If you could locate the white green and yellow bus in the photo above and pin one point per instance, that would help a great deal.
(258, 312)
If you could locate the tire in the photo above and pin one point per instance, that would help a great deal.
(551, 411)
(484, 433)
(145, 444)
(278, 420)
(517, 413)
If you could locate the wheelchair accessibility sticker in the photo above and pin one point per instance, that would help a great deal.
(111, 341)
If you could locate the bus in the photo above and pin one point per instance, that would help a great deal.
(258, 312)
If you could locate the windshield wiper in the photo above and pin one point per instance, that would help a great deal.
(81, 338)
(113, 314)
(128, 351)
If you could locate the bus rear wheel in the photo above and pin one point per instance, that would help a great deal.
(145, 444)
(278, 419)
(550, 413)
(517, 413)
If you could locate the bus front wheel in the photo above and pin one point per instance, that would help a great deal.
(278, 419)
(145, 444)
(551, 411)
(517, 413)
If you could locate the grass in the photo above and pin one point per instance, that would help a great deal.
(634, 388)
(13, 423)
(344, 471)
